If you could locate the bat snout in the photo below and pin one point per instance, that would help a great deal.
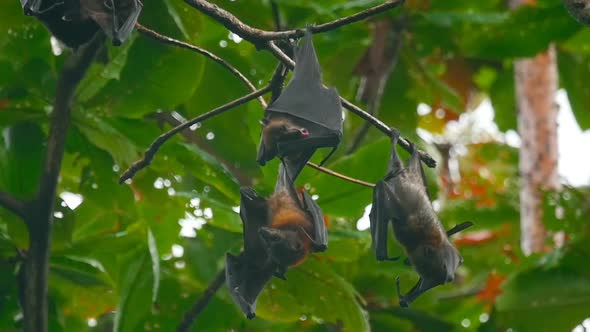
(304, 132)
(450, 277)
(269, 234)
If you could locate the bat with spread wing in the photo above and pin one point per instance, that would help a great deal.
(306, 116)
(279, 232)
(402, 199)
(74, 22)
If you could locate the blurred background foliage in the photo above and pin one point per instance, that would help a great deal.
(135, 257)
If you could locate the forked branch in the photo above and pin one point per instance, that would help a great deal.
(258, 36)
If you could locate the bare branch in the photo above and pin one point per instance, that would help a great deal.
(156, 144)
(403, 142)
(258, 36)
(171, 41)
(202, 302)
(40, 215)
(341, 176)
(12, 204)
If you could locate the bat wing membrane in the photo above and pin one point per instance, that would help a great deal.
(320, 234)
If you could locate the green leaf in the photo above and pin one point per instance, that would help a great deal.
(104, 136)
(21, 159)
(572, 68)
(153, 249)
(503, 96)
(551, 299)
(81, 271)
(135, 290)
(313, 289)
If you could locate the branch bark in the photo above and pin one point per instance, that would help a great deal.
(39, 216)
(12, 204)
(258, 36)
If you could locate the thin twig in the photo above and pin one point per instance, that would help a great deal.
(341, 176)
(202, 302)
(403, 142)
(258, 36)
(171, 41)
(12, 204)
(156, 144)
(40, 214)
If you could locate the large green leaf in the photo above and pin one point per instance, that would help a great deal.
(313, 289)
(538, 298)
(21, 158)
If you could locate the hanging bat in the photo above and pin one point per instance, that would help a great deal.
(279, 232)
(306, 116)
(402, 198)
(74, 22)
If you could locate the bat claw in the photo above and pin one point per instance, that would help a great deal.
(402, 299)
(394, 132)
(250, 315)
(320, 247)
(387, 258)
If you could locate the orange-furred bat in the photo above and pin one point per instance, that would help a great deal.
(402, 199)
(279, 232)
(311, 112)
(278, 129)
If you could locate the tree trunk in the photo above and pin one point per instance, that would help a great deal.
(536, 85)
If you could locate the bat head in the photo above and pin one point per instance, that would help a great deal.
(437, 265)
(286, 247)
(282, 130)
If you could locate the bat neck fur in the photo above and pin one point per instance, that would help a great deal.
(286, 213)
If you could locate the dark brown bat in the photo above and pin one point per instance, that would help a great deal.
(306, 116)
(279, 232)
(402, 199)
(74, 22)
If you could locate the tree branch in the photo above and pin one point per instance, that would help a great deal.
(202, 302)
(341, 176)
(156, 144)
(171, 41)
(12, 204)
(403, 142)
(258, 36)
(40, 215)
